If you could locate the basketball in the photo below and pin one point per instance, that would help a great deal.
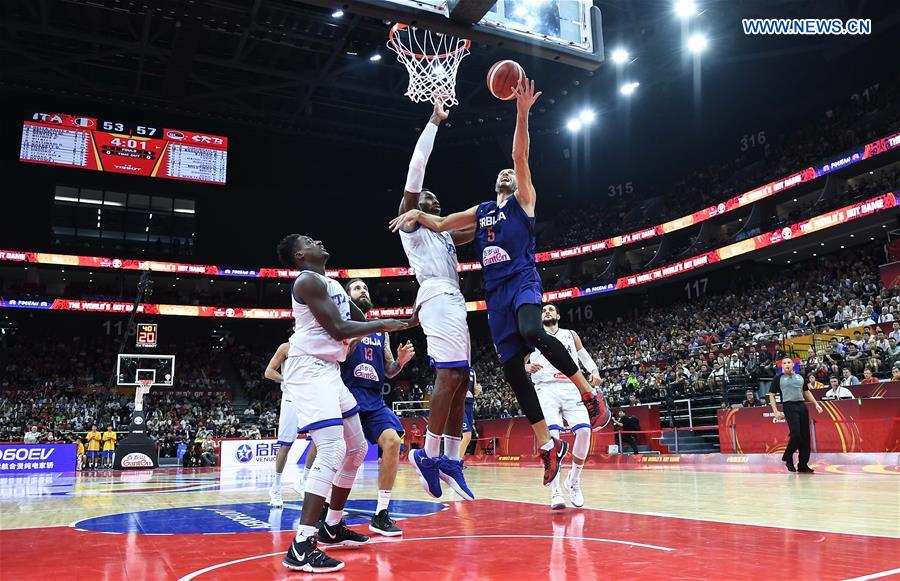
(503, 77)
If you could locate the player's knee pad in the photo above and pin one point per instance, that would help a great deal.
(582, 443)
(515, 374)
(330, 453)
(356, 452)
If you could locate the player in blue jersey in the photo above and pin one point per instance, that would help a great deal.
(364, 372)
(504, 235)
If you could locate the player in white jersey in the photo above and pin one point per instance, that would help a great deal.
(287, 430)
(443, 316)
(325, 321)
(561, 400)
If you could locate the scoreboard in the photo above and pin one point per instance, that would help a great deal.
(119, 147)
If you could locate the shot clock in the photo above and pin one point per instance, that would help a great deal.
(146, 335)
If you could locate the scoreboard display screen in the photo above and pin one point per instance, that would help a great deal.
(146, 335)
(118, 147)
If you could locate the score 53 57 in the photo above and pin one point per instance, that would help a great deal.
(118, 127)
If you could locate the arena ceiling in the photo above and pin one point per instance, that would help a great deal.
(285, 66)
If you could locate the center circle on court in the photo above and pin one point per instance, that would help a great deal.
(239, 518)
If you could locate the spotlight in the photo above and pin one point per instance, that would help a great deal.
(685, 8)
(574, 125)
(375, 57)
(619, 56)
(629, 88)
(337, 13)
(697, 43)
(587, 116)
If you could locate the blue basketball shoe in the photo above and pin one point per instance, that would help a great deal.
(429, 474)
(451, 472)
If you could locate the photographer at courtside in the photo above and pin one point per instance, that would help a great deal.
(794, 391)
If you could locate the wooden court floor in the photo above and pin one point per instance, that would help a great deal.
(648, 523)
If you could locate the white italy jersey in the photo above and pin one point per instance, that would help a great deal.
(309, 337)
(433, 256)
(548, 373)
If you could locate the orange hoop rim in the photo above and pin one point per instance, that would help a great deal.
(401, 49)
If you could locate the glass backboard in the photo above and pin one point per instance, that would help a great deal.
(131, 369)
(566, 31)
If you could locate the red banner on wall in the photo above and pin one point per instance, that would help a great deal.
(850, 425)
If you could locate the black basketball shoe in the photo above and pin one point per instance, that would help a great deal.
(340, 536)
(383, 525)
(305, 556)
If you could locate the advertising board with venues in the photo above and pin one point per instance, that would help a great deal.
(257, 453)
(20, 458)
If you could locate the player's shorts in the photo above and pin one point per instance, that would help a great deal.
(503, 303)
(562, 401)
(319, 397)
(377, 421)
(109, 453)
(443, 320)
(287, 421)
(469, 417)
(93, 454)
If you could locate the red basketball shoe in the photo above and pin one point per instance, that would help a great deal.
(552, 460)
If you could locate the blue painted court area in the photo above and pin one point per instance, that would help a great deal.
(239, 518)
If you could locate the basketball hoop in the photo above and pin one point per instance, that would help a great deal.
(431, 59)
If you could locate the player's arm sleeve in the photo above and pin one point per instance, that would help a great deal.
(587, 361)
(415, 176)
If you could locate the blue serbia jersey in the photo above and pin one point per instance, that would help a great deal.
(363, 372)
(505, 238)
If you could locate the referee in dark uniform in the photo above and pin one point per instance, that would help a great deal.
(794, 391)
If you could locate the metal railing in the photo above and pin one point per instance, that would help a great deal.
(401, 408)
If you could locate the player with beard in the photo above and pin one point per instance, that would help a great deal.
(364, 372)
(505, 239)
(432, 255)
(560, 401)
(324, 323)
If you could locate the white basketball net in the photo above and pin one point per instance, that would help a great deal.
(431, 59)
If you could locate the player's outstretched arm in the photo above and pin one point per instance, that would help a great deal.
(278, 358)
(525, 98)
(457, 221)
(463, 236)
(416, 174)
(313, 293)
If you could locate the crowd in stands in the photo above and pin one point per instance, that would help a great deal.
(864, 116)
(685, 350)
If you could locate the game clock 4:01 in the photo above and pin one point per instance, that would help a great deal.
(119, 147)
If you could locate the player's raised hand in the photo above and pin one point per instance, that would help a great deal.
(440, 113)
(405, 353)
(404, 221)
(525, 95)
(531, 368)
